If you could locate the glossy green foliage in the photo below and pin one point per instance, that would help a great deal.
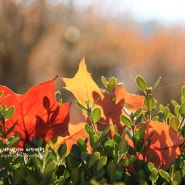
(110, 159)
(8, 157)
(109, 84)
(141, 83)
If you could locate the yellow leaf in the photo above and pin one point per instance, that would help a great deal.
(82, 85)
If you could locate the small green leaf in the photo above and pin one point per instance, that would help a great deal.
(106, 130)
(8, 114)
(110, 143)
(72, 160)
(176, 110)
(149, 102)
(123, 146)
(150, 166)
(82, 144)
(102, 162)
(37, 162)
(13, 140)
(104, 81)
(129, 133)
(94, 141)
(166, 112)
(51, 155)
(174, 103)
(94, 159)
(182, 110)
(183, 91)
(164, 175)
(62, 150)
(161, 107)
(96, 115)
(119, 173)
(141, 83)
(156, 83)
(138, 112)
(87, 102)
(126, 120)
(41, 142)
(89, 129)
(103, 134)
(80, 106)
(49, 167)
(155, 118)
(177, 177)
(10, 129)
(117, 138)
(112, 83)
(84, 157)
(129, 160)
(58, 97)
(111, 170)
(139, 135)
(154, 175)
(174, 123)
(138, 120)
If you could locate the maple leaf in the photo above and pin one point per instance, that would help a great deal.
(82, 85)
(165, 143)
(37, 113)
(111, 104)
(162, 142)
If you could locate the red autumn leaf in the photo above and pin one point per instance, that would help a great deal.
(164, 143)
(37, 113)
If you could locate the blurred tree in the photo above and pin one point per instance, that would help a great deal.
(21, 29)
(39, 39)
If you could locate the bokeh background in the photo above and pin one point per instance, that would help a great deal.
(42, 38)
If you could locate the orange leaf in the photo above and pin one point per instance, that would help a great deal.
(76, 131)
(132, 101)
(164, 143)
(112, 105)
(37, 113)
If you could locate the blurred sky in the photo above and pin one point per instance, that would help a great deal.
(164, 11)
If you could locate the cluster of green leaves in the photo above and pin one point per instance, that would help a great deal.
(175, 118)
(112, 160)
(8, 161)
(116, 152)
